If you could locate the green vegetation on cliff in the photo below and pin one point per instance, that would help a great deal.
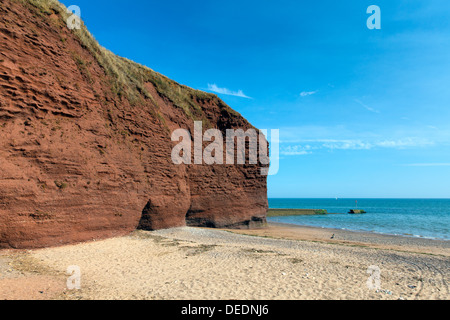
(128, 78)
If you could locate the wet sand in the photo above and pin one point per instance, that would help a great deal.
(197, 263)
(346, 237)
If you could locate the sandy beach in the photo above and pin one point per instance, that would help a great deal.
(277, 262)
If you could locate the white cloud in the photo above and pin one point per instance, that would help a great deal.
(404, 143)
(366, 145)
(216, 89)
(428, 165)
(349, 144)
(346, 145)
(308, 93)
(295, 151)
(366, 106)
(314, 138)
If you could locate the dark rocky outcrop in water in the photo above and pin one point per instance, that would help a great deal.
(85, 141)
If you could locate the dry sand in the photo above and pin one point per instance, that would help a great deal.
(196, 263)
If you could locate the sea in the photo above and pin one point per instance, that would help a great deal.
(425, 218)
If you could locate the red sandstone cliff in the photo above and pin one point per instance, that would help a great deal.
(85, 141)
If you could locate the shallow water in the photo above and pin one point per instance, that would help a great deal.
(428, 218)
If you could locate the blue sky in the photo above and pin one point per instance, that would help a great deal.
(361, 113)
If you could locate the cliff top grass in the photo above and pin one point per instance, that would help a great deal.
(127, 77)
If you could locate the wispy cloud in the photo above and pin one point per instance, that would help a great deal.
(345, 145)
(309, 146)
(366, 106)
(308, 93)
(307, 139)
(405, 143)
(216, 89)
(428, 165)
(295, 151)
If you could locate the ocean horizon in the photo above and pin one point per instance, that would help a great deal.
(416, 217)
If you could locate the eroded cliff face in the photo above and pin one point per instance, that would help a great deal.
(85, 141)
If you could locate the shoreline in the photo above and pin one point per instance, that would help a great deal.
(410, 236)
(287, 231)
